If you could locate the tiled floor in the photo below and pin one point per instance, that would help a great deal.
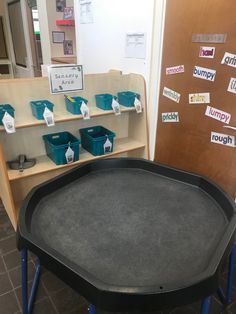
(54, 297)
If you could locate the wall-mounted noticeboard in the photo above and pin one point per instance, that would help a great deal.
(187, 144)
(65, 78)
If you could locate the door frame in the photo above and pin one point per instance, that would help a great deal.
(155, 71)
(20, 71)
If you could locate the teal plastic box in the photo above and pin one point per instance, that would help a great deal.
(127, 98)
(104, 101)
(74, 107)
(38, 107)
(56, 145)
(94, 138)
(3, 109)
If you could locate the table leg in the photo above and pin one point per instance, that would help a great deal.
(92, 309)
(205, 305)
(228, 298)
(24, 279)
(34, 286)
(229, 294)
(27, 303)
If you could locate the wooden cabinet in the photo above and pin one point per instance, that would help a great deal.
(130, 129)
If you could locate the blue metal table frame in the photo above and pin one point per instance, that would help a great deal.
(28, 302)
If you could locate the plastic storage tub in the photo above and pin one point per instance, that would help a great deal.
(104, 101)
(94, 138)
(38, 107)
(127, 98)
(74, 106)
(3, 109)
(56, 145)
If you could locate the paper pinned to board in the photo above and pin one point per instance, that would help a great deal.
(229, 59)
(86, 11)
(230, 127)
(171, 94)
(217, 114)
(135, 45)
(199, 98)
(209, 38)
(223, 139)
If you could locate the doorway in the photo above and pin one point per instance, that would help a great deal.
(25, 35)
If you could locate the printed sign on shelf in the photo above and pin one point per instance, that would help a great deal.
(65, 78)
(207, 52)
(199, 98)
(69, 155)
(138, 105)
(107, 146)
(223, 139)
(175, 70)
(204, 73)
(218, 114)
(229, 59)
(48, 117)
(85, 111)
(115, 106)
(171, 94)
(8, 123)
(170, 117)
(232, 85)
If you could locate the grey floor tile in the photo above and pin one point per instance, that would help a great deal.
(217, 307)
(5, 284)
(41, 293)
(2, 266)
(83, 310)
(67, 300)
(6, 228)
(44, 307)
(232, 307)
(7, 244)
(12, 259)
(8, 303)
(15, 274)
(52, 283)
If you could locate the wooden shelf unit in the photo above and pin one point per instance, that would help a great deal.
(44, 164)
(130, 128)
(63, 116)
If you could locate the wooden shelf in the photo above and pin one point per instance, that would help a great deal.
(63, 117)
(44, 164)
(130, 128)
(65, 60)
(65, 22)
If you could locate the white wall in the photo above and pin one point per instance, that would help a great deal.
(57, 50)
(101, 45)
(44, 31)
